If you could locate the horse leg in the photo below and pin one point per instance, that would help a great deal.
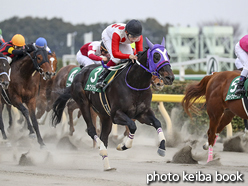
(246, 126)
(70, 113)
(122, 119)
(214, 117)
(25, 113)
(84, 107)
(225, 120)
(94, 116)
(8, 107)
(31, 106)
(105, 129)
(150, 119)
(1, 122)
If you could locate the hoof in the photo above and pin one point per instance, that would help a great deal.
(43, 146)
(33, 136)
(205, 146)
(121, 147)
(161, 152)
(110, 169)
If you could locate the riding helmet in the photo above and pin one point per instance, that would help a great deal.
(134, 27)
(18, 40)
(103, 48)
(41, 42)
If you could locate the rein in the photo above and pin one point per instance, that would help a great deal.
(5, 73)
(131, 86)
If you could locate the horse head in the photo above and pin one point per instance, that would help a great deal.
(53, 62)
(41, 63)
(5, 71)
(158, 62)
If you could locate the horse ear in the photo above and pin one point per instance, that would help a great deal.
(163, 42)
(150, 45)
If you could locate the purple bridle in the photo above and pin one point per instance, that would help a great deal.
(164, 60)
(153, 67)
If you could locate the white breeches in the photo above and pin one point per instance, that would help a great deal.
(242, 59)
(124, 48)
(84, 60)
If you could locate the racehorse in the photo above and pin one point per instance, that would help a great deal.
(41, 101)
(44, 87)
(214, 88)
(129, 97)
(23, 86)
(57, 84)
(5, 71)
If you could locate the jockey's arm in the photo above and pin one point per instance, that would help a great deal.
(139, 45)
(92, 54)
(18, 52)
(115, 48)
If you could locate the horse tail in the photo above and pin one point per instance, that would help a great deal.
(59, 105)
(194, 92)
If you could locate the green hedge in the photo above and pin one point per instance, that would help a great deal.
(199, 123)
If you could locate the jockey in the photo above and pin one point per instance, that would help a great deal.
(15, 47)
(241, 51)
(92, 53)
(41, 43)
(117, 39)
(1, 38)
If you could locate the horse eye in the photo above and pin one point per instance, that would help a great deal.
(156, 57)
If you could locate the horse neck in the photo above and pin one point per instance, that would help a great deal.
(138, 77)
(25, 67)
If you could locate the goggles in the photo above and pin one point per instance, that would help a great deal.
(130, 36)
(19, 47)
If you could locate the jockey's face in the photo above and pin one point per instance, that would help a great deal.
(104, 53)
(133, 38)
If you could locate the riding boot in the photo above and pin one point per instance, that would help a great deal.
(100, 83)
(240, 88)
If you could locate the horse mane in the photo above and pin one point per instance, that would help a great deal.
(142, 52)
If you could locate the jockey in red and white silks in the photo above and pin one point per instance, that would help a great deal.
(118, 43)
(117, 39)
(91, 53)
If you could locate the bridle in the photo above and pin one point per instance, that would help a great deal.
(37, 65)
(153, 67)
(5, 73)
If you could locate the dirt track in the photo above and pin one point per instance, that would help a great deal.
(56, 166)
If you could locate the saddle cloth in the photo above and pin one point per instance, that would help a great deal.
(232, 89)
(71, 75)
(93, 78)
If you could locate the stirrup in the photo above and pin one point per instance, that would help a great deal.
(100, 84)
(240, 92)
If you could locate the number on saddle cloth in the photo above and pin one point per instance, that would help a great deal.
(71, 75)
(232, 89)
(94, 76)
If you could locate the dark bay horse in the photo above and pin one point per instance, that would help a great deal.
(5, 72)
(24, 85)
(214, 88)
(129, 97)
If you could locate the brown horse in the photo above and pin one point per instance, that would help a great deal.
(23, 86)
(41, 101)
(214, 88)
(44, 87)
(5, 71)
(129, 97)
